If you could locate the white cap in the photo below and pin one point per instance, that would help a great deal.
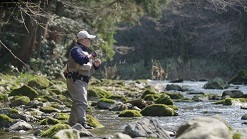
(84, 34)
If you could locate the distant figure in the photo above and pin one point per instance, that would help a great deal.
(80, 66)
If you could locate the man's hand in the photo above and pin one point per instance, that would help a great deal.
(95, 53)
(97, 62)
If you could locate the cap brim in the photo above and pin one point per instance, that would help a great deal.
(91, 36)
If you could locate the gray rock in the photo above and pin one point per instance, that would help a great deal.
(146, 128)
(204, 128)
(67, 134)
(20, 125)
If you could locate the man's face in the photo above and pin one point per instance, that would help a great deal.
(86, 42)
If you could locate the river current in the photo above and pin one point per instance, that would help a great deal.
(186, 110)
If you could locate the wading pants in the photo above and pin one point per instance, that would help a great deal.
(78, 93)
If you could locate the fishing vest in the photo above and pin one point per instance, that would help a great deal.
(85, 69)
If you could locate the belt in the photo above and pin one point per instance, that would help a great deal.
(76, 76)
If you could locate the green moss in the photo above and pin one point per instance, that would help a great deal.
(118, 97)
(243, 99)
(92, 121)
(158, 110)
(39, 82)
(130, 113)
(53, 130)
(49, 121)
(164, 99)
(219, 102)
(151, 97)
(24, 91)
(5, 121)
(3, 98)
(107, 100)
(20, 100)
(236, 136)
(48, 109)
(97, 92)
(61, 116)
(228, 101)
(148, 91)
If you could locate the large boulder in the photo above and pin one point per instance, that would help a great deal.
(204, 128)
(24, 91)
(216, 83)
(158, 110)
(148, 128)
(39, 82)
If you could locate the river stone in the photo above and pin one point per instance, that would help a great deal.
(67, 134)
(232, 93)
(204, 128)
(149, 128)
(20, 125)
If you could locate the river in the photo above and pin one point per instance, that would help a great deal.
(186, 110)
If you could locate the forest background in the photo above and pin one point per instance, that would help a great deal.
(138, 39)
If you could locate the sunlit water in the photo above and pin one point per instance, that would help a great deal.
(187, 110)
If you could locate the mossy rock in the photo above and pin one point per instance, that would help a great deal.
(39, 82)
(61, 116)
(164, 99)
(228, 101)
(239, 78)
(216, 83)
(3, 98)
(148, 91)
(5, 121)
(158, 110)
(19, 100)
(175, 95)
(53, 130)
(118, 97)
(97, 92)
(13, 113)
(24, 91)
(151, 97)
(94, 122)
(49, 121)
(55, 91)
(106, 100)
(48, 109)
(130, 113)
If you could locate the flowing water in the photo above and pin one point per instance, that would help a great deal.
(187, 110)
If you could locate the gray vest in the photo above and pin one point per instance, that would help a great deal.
(85, 69)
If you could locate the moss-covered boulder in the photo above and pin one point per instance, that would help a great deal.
(239, 78)
(130, 113)
(147, 92)
(49, 121)
(121, 98)
(158, 110)
(48, 109)
(5, 121)
(19, 100)
(164, 99)
(105, 103)
(151, 97)
(174, 95)
(24, 91)
(216, 83)
(94, 122)
(173, 87)
(39, 82)
(61, 116)
(53, 130)
(95, 93)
